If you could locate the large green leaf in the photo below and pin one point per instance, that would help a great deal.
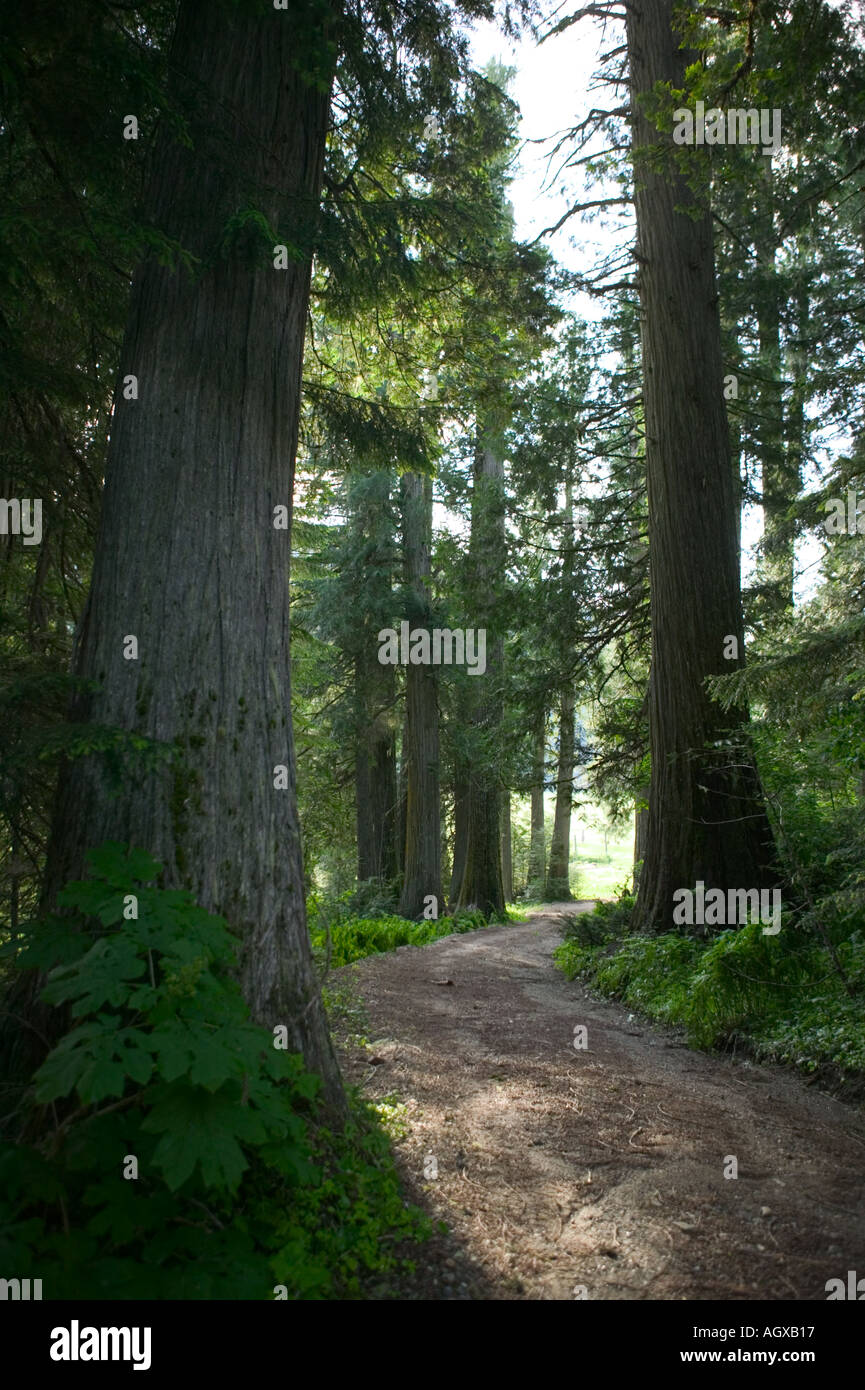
(95, 1060)
(99, 977)
(204, 1129)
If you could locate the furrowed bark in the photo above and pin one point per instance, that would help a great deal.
(423, 870)
(707, 818)
(188, 559)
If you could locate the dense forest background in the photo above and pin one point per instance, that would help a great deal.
(285, 380)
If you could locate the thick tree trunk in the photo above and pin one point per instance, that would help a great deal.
(537, 845)
(558, 886)
(375, 771)
(423, 809)
(707, 819)
(189, 560)
(482, 877)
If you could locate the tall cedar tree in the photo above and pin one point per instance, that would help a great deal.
(558, 887)
(423, 870)
(707, 820)
(482, 884)
(537, 846)
(369, 576)
(189, 560)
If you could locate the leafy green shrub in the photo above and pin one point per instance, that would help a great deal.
(467, 919)
(650, 972)
(827, 1029)
(357, 937)
(744, 978)
(574, 959)
(782, 993)
(368, 899)
(239, 1186)
(610, 919)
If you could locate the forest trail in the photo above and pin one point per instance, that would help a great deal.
(602, 1168)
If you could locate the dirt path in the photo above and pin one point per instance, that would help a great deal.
(601, 1168)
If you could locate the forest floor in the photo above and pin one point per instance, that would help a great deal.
(602, 1168)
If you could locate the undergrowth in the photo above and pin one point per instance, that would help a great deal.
(167, 1148)
(355, 937)
(782, 994)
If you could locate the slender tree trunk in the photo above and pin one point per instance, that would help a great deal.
(189, 560)
(461, 830)
(507, 849)
(799, 375)
(641, 833)
(734, 425)
(537, 846)
(707, 819)
(779, 489)
(558, 888)
(423, 870)
(402, 794)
